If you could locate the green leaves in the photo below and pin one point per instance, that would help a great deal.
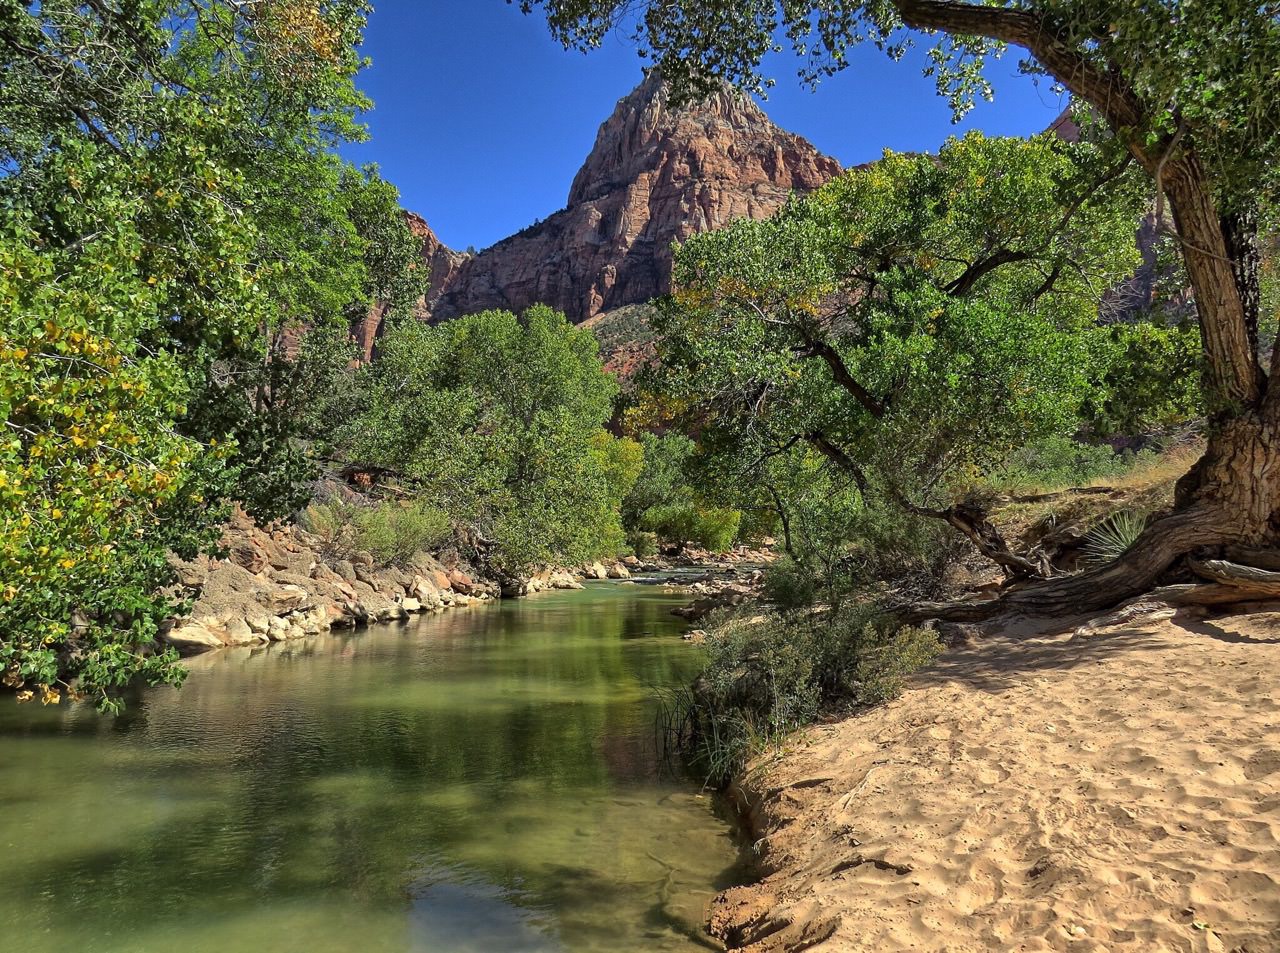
(499, 421)
(912, 323)
(168, 197)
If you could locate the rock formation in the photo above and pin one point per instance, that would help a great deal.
(657, 174)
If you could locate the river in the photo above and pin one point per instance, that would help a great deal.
(482, 780)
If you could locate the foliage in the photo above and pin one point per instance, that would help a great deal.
(499, 421)
(1109, 540)
(391, 531)
(712, 527)
(1057, 461)
(664, 479)
(1152, 378)
(643, 543)
(910, 324)
(764, 679)
(141, 147)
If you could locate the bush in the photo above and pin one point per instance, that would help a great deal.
(1057, 462)
(712, 527)
(789, 586)
(642, 543)
(392, 532)
(1111, 538)
(764, 679)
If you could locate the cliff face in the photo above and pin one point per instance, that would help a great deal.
(656, 174)
(441, 262)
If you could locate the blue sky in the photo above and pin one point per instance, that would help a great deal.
(481, 120)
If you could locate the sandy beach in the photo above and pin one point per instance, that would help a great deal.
(1091, 791)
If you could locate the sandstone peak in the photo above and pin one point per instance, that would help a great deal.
(658, 173)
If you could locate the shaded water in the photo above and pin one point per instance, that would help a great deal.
(482, 780)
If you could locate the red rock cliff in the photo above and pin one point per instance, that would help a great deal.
(656, 174)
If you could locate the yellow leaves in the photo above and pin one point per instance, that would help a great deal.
(25, 696)
(49, 695)
(67, 563)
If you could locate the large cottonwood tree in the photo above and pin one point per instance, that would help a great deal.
(1189, 90)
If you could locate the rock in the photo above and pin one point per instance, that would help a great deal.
(440, 579)
(242, 551)
(238, 633)
(656, 174)
(515, 588)
(563, 579)
(410, 604)
(288, 598)
(461, 582)
(631, 562)
(619, 571)
(345, 569)
(191, 637)
(595, 570)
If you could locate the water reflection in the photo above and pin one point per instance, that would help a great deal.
(484, 779)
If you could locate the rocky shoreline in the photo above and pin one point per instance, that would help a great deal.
(276, 584)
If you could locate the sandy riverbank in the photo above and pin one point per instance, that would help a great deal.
(1115, 791)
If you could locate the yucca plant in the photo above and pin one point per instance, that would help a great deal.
(1109, 540)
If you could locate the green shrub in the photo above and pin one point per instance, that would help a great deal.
(1109, 540)
(391, 531)
(712, 527)
(764, 679)
(1057, 462)
(789, 585)
(642, 543)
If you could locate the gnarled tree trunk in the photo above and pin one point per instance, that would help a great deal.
(1232, 494)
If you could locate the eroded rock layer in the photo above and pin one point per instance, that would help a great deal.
(657, 174)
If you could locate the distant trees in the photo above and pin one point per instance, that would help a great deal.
(500, 421)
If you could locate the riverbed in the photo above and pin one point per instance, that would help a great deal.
(482, 780)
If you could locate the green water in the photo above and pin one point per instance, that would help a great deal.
(481, 780)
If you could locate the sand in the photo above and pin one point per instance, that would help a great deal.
(1118, 790)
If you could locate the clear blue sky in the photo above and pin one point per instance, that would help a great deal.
(481, 120)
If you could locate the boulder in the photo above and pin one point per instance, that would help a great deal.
(563, 579)
(461, 582)
(410, 604)
(288, 598)
(595, 570)
(191, 637)
(619, 571)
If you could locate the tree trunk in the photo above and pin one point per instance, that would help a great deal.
(1231, 495)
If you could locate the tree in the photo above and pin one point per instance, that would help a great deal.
(131, 264)
(913, 322)
(499, 421)
(1186, 90)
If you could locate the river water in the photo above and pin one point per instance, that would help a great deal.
(482, 780)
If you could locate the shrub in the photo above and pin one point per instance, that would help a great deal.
(1109, 540)
(392, 532)
(1057, 462)
(764, 679)
(642, 543)
(789, 585)
(713, 527)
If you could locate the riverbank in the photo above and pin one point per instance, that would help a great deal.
(276, 584)
(1113, 790)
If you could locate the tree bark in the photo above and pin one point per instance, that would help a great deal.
(1230, 496)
